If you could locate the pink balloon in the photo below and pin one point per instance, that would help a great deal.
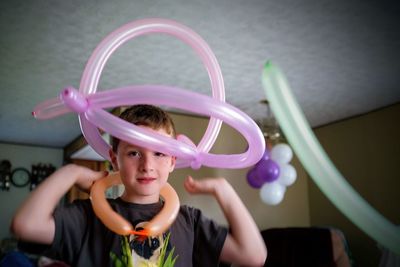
(49, 109)
(103, 51)
(89, 104)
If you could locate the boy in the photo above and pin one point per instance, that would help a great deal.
(78, 237)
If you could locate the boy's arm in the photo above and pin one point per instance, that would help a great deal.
(34, 219)
(244, 245)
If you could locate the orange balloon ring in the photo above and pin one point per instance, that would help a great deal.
(116, 223)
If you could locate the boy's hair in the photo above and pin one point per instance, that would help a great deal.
(149, 116)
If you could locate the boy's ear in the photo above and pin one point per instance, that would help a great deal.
(173, 161)
(113, 158)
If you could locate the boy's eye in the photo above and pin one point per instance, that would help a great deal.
(159, 154)
(134, 154)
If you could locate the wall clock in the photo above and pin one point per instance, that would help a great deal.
(20, 177)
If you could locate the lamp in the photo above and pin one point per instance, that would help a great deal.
(270, 128)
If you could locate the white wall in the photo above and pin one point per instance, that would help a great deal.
(22, 156)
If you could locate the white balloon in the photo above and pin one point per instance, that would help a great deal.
(287, 174)
(281, 153)
(272, 193)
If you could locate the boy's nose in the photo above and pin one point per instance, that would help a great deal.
(146, 163)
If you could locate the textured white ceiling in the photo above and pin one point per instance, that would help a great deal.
(341, 57)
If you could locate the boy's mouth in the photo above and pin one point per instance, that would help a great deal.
(145, 180)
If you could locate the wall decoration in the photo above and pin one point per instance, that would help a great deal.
(39, 173)
(273, 173)
(5, 175)
(20, 177)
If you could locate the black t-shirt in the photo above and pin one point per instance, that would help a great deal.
(81, 239)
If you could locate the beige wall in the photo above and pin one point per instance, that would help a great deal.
(293, 211)
(366, 151)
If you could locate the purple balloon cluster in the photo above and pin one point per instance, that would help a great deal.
(265, 171)
(273, 173)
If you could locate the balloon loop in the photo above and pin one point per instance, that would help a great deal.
(196, 163)
(89, 104)
(92, 117)
(118, 224)
(74, 100)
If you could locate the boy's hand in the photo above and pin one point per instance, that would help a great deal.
(85, 177)
(204, 186)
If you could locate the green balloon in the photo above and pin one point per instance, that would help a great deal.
(324, 173)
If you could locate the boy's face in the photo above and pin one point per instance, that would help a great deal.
(143, 172)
